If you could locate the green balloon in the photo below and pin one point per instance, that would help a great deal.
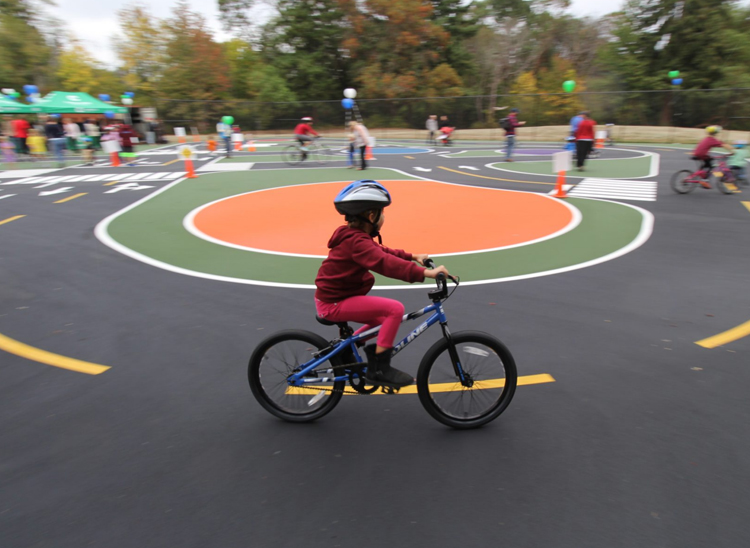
(229, 120)
(674, 73)
(569, 86)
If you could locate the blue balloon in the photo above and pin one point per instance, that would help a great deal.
(676, 81)
(28, 89)
(109, 114)
(129, 94)
(103, 97)
(347, 103)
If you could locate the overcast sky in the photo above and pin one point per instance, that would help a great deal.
(95, 22)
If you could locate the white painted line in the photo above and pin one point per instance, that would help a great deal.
(235, 166)
(175, 175)
(160, 175)
(55, 191)
(28, 181)
(6, 196)
(22, 173)
(610, 196)
(422, 169)
(139, 176)
(472, 168)
(103, 177)
(81, 178)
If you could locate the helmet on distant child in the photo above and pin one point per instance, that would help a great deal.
(713, 130)
(307, 119)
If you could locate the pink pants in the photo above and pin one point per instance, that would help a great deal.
(371, 311)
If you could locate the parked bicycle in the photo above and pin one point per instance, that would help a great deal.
(313, 152)
(465, 380)
(720, 175)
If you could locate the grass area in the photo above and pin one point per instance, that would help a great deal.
(606, 169)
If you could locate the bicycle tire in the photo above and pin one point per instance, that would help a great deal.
(289, 349)
(318, 155)
(436, 378)
(679, 184)
(721, 183)
(292, 155)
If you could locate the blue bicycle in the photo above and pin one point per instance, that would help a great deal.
(465, 379)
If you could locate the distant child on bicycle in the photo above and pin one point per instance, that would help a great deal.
(302, 134)
(344, 278)
(738, 162)
(702, 152)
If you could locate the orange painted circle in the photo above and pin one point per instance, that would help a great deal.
(425, 217)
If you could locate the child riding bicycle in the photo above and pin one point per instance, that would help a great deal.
(302, 134)
(702, 151)
(344, 278)
(738, 161)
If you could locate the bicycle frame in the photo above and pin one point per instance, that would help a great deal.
(298, 378)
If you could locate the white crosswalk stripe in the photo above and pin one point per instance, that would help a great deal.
(615, 189)
(138, 176)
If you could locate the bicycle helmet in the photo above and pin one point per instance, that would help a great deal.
(713, 130)
(740, 144)
(307, 119)
(360, 197)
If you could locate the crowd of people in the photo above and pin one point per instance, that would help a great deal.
(22, 140)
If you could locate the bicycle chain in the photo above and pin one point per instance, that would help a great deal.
(310, 386)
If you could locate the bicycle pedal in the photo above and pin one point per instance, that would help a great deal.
(389, 391)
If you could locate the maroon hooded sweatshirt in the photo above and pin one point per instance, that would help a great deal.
(353, 253)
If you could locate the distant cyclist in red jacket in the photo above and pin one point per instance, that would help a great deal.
(344, 278)
(584, 135)
(302, 134)
(702, 152)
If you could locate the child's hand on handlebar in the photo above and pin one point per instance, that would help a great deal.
(434, 272)
(420, 258)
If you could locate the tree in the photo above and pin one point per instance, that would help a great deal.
(24, 54)
(140, 50)
(194, 68)
(77, 69)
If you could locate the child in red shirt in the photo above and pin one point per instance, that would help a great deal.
(344, 278)
(702, 152)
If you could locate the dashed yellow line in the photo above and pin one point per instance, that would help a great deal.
(497, 178)
(172, 162)
(726, 337)
(49, 358)
(434, 388)
(69, 198)
(747, 205)
(9, 219)
(410, 157)
(111, 183)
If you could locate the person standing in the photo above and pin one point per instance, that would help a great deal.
(510, 124)
(128, 137)
(432, 127)
(56, 139)
(20, 133)
(92, 130)
(361, 140)
(72, 133)
(225, 134)
(584, 139)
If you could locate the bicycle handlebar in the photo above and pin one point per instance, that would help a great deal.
(429, 263)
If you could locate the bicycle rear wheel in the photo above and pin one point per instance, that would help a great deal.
(318, 155)
(281, 355)
(490, 366)
(292, 155)
(680, 182)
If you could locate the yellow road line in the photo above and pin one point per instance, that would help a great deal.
(69, 198)
(497, 178)
(9, 219)
(746, 204)
(410, 157)
(172, 162)
(42, 356)
(726, 337)
(434, 388)
(111, 183)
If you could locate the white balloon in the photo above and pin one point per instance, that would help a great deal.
(8, 91)
(350, 93)
(127, 101)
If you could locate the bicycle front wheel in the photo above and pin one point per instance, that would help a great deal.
(278, 357)
(489, 365)
(292, 155)
(680, 182)
(724, 186)
(319, 155)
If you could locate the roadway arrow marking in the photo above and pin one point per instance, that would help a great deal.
(127, 186)
(56, 191)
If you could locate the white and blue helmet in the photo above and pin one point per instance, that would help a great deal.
(361, 196)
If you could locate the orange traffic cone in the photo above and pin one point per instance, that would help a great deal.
(115, 159)
(190, 170)
(368, 153)
(599, 143)
(251, 146)
(211, 145)
(560, 187)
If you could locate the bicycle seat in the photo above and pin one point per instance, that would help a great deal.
(328, 322)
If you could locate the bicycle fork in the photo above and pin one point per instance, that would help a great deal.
(464, 377)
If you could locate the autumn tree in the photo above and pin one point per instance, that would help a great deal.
(24, 53)
(140, 49)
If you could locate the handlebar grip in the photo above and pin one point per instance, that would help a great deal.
(429, 263)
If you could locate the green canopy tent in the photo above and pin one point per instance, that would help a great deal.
(9, 106)
(64, 102)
